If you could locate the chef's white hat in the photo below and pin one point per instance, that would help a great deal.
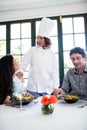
(45, 27)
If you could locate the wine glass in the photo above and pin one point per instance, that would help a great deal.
(20, 101)
(20, 96)
(49, 91)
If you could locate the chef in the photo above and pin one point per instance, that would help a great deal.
(41, 63)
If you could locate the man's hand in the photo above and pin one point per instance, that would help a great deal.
(58, 91)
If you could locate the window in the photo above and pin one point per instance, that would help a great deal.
(20, 39)
(70, 33)
(73, 31)
(2, 40)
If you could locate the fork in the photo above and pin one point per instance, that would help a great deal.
(83, 105)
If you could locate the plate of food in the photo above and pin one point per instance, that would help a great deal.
(71, 98)
(26, 98)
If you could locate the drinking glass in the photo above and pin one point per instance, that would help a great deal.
(49, 91)
(20, 95)
(20, 100)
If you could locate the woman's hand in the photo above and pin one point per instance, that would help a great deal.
(7, 100)
(19, 74)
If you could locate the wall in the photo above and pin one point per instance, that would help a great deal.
(64, 9)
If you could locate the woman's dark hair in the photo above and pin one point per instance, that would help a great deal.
(47, 42)
(78, 50)
(6, 77)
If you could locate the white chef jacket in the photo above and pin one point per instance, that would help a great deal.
(43, 71)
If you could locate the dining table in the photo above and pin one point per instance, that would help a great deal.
(66, 116)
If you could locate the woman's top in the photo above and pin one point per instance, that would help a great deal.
(42, 69)
(17, 85)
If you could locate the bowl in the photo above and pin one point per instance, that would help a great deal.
(71, 98)
(25, 99)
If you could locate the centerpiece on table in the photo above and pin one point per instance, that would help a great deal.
(47, 104)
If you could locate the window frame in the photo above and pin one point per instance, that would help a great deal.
(60, 37)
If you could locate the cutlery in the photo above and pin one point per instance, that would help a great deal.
(35, 101)
(83, 105)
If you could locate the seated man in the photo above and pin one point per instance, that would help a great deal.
(75, 80)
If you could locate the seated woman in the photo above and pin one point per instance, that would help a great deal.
(10, 83)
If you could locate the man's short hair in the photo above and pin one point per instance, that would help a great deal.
(78, 50)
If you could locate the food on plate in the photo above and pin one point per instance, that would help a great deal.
(71, 98)
(25, 97)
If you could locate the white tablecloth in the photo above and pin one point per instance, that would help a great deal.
(65, 117)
